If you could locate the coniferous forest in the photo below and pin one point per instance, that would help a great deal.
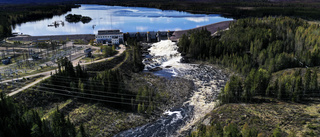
(16, 120)
(257, 47)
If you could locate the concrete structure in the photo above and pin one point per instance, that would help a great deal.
(150, 36)
(110, 37)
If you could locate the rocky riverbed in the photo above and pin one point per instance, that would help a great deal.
(179, 121)
(208, 82)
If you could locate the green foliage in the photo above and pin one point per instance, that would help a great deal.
(108, 51)
(91, 42)
(16, 120)
(62, 127)
(307, 79)
(78, 41)
(231, 130)
(287, 87)
(236, 90)
(277, 132)
(65, 68)
(248, 131)
(233, 90)
(314, 81)
(256, 47)
(83, 132)
(140, 110)
(267, 43)
(145, 97)
(135, 58)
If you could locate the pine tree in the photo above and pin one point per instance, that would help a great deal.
(82, 131)
(298, 89)
(307, 80)
(139, 108)
(314, 81)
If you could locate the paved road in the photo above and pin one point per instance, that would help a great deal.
(47, 73)
(28, 86)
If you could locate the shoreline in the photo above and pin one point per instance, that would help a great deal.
(175, 36)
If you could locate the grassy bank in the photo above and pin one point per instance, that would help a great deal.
(295, 119)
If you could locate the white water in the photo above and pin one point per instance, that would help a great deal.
(178, 115)
(166, 56)
(165, 53)
(207, 80)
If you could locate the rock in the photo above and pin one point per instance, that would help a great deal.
(207, 121)
(184, 60)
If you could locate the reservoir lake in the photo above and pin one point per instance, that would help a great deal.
(126, 19)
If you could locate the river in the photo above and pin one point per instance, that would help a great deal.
(126, 19)
(208, 81)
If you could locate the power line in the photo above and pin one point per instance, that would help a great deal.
(97, 91)
(112, 86)
(39, 86)
(89, 98)
(74, 78)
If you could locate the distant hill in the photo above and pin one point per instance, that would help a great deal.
(123, 1)
(34, 1)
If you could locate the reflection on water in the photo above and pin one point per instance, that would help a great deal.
(127, 19)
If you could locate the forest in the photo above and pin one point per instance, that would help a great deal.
(257, 47)
(17, 120)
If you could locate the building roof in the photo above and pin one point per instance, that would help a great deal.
(108, 32)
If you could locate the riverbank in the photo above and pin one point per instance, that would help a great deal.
(214, 27)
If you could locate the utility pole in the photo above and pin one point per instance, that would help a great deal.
(17, 74)
(1, 82)
(11, 72)
(14, 54)
(70, 56)
(6, 51)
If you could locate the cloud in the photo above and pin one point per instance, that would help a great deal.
(141, 28)
(198, 19)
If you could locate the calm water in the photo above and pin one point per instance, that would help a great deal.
(127, 19)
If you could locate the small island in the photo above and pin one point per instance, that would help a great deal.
(77, 18)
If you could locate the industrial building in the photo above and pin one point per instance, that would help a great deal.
(110, 37)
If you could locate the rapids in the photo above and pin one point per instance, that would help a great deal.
(208, 82)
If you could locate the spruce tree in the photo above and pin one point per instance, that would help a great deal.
(307, 80)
